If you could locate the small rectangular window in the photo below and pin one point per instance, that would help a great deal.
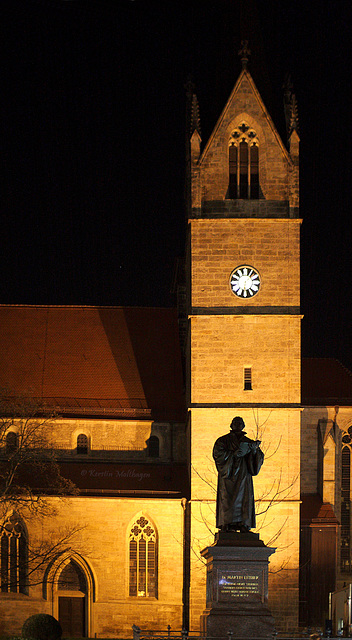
(247, 379)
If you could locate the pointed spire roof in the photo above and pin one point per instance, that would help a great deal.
(245, 78)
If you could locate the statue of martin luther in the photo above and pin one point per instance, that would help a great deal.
(237, 460)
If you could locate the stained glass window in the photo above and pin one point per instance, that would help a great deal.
(13, 556)
(72, 578)
(346, 511)
(143, 570)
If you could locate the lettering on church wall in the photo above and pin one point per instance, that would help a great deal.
(129, 473)
(97, 476)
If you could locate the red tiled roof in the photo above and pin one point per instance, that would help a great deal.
(94, 359)
(325, 381)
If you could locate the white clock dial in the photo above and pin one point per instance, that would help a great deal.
(245, 281)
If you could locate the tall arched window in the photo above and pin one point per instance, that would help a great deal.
(13, 556)
(346, 508)
(243, 164)
(82, 444)
(143, 560)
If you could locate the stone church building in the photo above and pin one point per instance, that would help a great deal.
(141, 395)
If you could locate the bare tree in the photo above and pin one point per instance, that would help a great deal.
(29, 478)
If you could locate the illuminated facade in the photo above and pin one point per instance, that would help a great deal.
(244, 325)
(114, 376)
(136, 428)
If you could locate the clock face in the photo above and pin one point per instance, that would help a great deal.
(245, 281)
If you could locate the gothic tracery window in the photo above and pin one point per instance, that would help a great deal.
(13, 556)
(345, 545)
(243, 164)
(72, 578)
(143, 560)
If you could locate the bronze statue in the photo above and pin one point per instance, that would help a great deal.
(237, 459)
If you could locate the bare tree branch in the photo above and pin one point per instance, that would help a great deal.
(29, 477)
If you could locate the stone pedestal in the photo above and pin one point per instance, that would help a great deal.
(237, 587)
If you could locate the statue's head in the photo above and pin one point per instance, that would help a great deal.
(237, 424)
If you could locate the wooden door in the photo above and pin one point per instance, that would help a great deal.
(72, 616)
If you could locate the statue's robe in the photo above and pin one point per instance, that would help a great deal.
(235, 495)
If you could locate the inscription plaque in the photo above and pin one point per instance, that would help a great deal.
(237, 588)
(239, 585)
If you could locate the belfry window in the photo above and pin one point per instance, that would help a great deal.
(13, 556)
(243, 177)
(243, 164)
(254, 168)
(143, 560)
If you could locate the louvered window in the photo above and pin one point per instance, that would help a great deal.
(247, 375)
(143, 569)
(254, 173)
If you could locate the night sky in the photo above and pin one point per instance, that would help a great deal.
(92, 111)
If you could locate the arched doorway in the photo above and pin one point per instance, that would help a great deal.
(72, 601)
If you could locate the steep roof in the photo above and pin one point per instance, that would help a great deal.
(246, 96)
(325, 381)
(94, 360)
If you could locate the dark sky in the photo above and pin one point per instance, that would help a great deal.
(92, 143)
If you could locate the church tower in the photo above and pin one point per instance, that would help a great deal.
(243, 353)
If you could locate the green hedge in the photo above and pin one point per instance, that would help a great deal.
(41, 626)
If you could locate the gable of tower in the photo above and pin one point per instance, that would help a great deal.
(244, 159)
